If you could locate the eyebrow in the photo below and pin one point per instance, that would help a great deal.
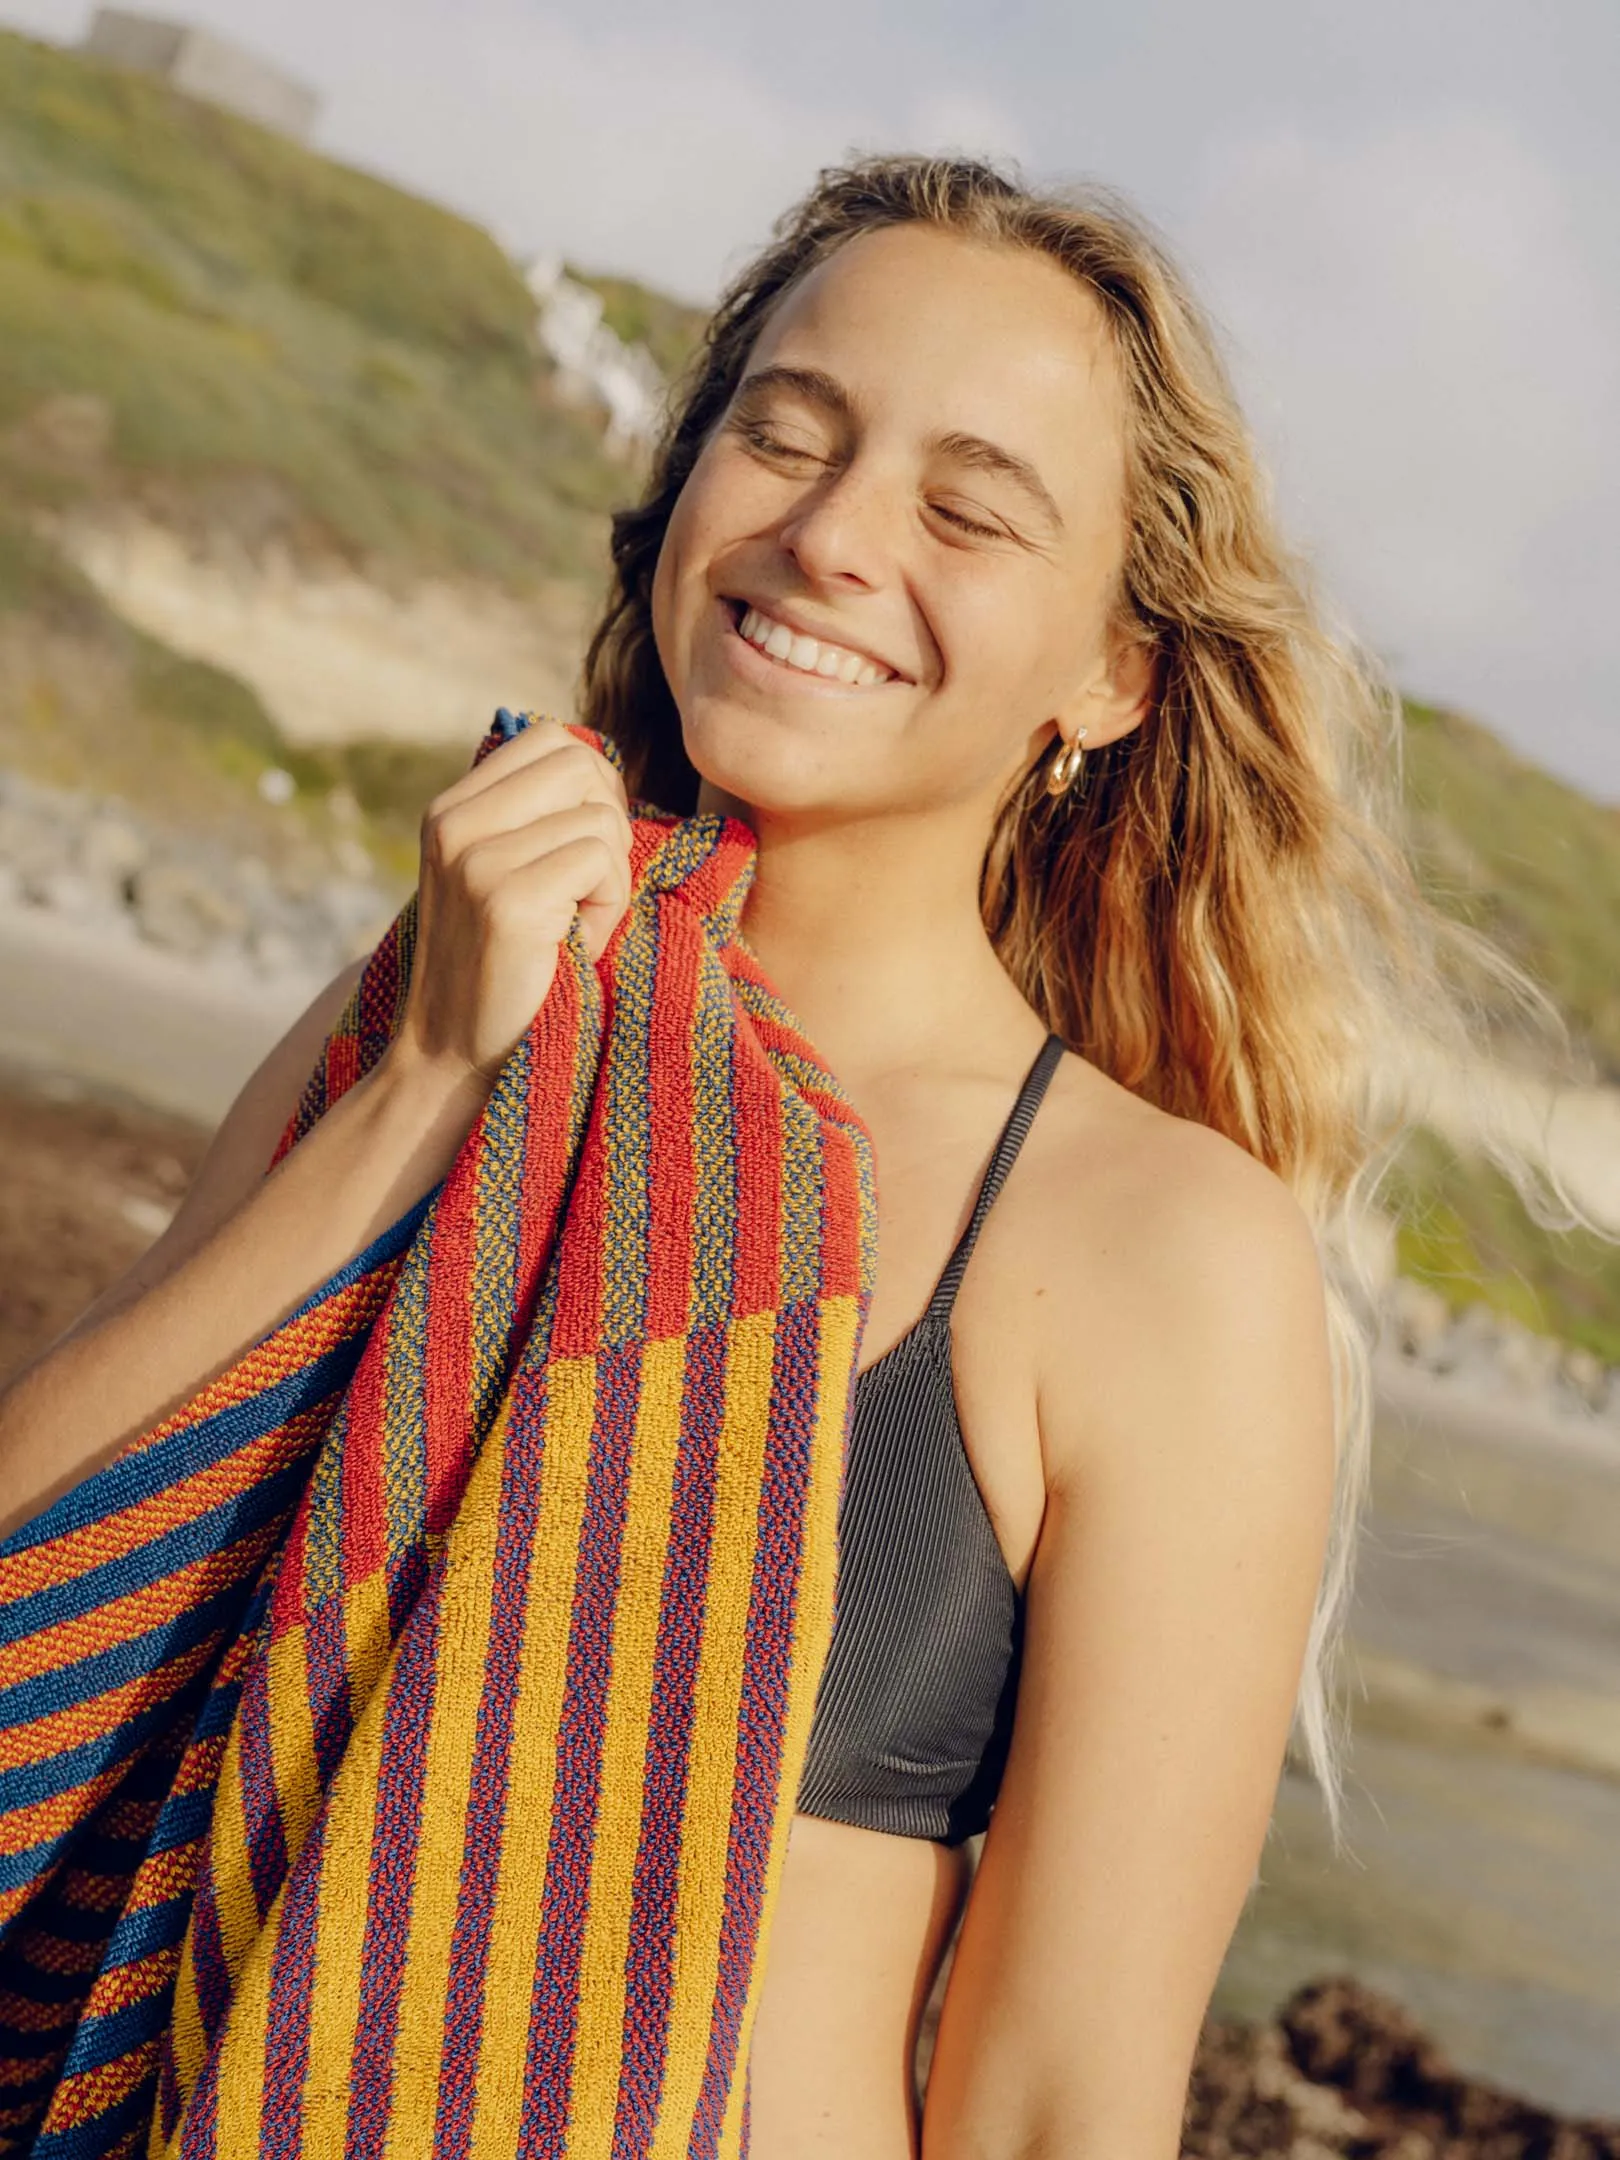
(826, 390)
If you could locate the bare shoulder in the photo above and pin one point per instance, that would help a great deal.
(1187, 1273)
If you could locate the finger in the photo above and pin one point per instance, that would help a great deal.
(541, 739)
(489, 862)
(523, 796)
(542, 897)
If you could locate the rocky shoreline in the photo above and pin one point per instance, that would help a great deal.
(97, 863)
(1482, 1353)
(1342, 2073)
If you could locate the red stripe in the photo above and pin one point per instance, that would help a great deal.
(756, 1116)
(365, 1506)
(447, 1359)
(671, 1177)
(578, 1328)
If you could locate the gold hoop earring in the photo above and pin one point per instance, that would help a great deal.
(1066, 766)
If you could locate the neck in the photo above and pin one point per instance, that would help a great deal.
(872, 933)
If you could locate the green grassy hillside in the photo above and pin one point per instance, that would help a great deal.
(274, 336)
(1526, 858)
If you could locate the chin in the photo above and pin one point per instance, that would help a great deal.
(784, 765)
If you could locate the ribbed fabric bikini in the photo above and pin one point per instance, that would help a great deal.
(914, 1714)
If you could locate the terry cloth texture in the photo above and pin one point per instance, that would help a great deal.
(398, 1745)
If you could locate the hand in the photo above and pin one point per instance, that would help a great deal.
(536, 833)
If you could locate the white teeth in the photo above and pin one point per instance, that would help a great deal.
(807, 653)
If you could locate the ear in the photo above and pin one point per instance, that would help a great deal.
(1116, 698)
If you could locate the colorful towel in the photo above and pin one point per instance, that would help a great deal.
(398, 1745)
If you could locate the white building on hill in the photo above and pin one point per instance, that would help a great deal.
(205, 66)
(592, 359)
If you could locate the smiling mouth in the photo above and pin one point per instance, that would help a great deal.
(815, 659)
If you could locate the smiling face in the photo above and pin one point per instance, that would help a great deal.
(918, 483)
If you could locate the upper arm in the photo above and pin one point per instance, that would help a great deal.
(1188, 1427)
(239, 1153)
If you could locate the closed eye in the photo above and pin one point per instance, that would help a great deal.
(761, 438)
(990, 532)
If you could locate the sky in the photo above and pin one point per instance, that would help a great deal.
(1404, 216)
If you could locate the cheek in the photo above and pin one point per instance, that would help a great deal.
(1003, 651)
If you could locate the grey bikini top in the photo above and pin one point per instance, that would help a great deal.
(914, 1712)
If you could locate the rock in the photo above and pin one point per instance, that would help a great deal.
(1527, 1362)
(1586, 1376)
(1344, 2073)
(150, 1217)
(111, 850)
(356, 912)
(274, 953)
(178, 908)
(353, 860)
(69, 892)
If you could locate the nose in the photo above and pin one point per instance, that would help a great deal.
(845, 527)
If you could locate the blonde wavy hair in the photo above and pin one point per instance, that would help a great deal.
(1224, 918)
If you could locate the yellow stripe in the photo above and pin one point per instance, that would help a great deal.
(571, 1389)
(701, 1887)
(234, 1898)
(292, 1741)
(186, 2041)
(624, 1750)
(241, 2051)
(812, 1637)
(459, 1669)
(366, 1640)
(334, 2006)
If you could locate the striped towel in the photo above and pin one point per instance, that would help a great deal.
(399, 1743)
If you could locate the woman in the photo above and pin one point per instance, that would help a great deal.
(954, 579)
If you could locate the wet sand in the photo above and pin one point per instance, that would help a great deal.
(1481, 1886)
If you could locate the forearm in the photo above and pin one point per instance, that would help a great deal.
(139, 1355)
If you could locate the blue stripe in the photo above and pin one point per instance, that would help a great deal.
(154, 1927)
(99, 2136)
(105, 1670)
(30, 1783)
(211, 1531)
(136, 1477)
(101, 2040)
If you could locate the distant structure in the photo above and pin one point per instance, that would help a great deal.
(205, 66)
(593, 361)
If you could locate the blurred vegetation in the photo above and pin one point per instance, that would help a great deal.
(251, 313)
(1524, 857)
(88, 701)
(1465, 1232)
